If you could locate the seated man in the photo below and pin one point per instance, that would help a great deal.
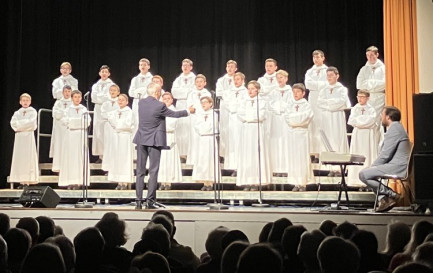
(392, 159)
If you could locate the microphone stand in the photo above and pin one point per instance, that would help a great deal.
(217, 204)
(260, 204)
(84, 123)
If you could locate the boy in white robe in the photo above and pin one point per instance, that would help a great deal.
(315, 80)
(59, 129)
(224, 85)
(251, 170)
(65, 79)
(206, 168)
(194, 100)
(371, 77)
(109, 134)
(170, 168)
(298, 116)
(332, 101)
(100, 94)
(278, 101)
(121, 163)
(232, 101)
(159, 80)
(182, 86)
(363, 142)
(75, 150)
(24, 166)
(138, 87)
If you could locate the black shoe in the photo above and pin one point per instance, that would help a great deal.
(138, 205)
(150, 205)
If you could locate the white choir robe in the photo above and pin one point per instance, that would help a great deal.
(223, 85)
(121, 164)
(298, 116)
(194, 99)
(170, 168)
(279, 136)
(371, 77)
(138, 90)
(74, 147)
(182, 86)
(24, 166)
(58, 132)
(233, 100)
(268, 83)
(100, 94)
(332, 101)
(109, 133)
(206, 167)
(315, 80)
(248, 162)
(60, 82)
(363, 141)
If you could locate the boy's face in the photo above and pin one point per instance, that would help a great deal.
(252, 91)
(205, 104)
(76, 99)
(186, 68)
(371, 57)
(298, 93)
(157, 80)
(282, 80)
(114, 92)
(200, 83)
(25, 102)
(332, 77)
(122, 101)
(67, 93)
(270, 67)
(144, 67)
(65, 70)
(104, 74)
(231, 69)
(168, 100)
(238, 81)
(318, 59)
(362, 99)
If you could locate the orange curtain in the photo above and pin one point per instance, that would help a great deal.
(401, 57)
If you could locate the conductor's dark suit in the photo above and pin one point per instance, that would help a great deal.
(151, 139)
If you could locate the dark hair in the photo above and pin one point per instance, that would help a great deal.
(113, 229)
(393, 113)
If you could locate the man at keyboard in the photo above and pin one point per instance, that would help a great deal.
(392, 159)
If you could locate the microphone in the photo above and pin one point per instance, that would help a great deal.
(87, 94)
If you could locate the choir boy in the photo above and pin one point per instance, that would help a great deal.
(24, 166)
(298, 116)
(182, 86)
(268, 81)
(65, 79)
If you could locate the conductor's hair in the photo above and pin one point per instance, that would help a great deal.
(152, 88)
(299, 86)
(104, 67)
(144, 60)
(393, 113)
(255, 84)
(318, 52)
(209, 99)
(332, 69)
(364, 92)
(26, 95)
(76, 92)
(270, 60)
(283, 73)
(188, 61)
(372, 49)
(240, 74)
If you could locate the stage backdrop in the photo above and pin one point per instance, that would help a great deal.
(39, 35)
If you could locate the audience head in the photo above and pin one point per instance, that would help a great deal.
(152, 261)
(89, 246)
(113, 230)
(260, 258)
(337, 255)
(3, 255)
(367, 245)
(154, 238)
(233, 236)
(44, 258)
(31, 225)
(230, 257)
(169, 215)
(307, 249)
(345, 230)
(429, 238)
(58, 230)
(46, 228)
(66, 248)
(424, 254)
(277, 230)
(412, 267)
(327, 227)
(5, 224)
(19, 242)
(214, 242)
(420, 230)
(291, 238)
(397, 237)
(264, 233)
(164, 221)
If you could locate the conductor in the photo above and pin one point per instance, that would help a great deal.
(150, 140)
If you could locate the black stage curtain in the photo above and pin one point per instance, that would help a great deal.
(40, 34)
